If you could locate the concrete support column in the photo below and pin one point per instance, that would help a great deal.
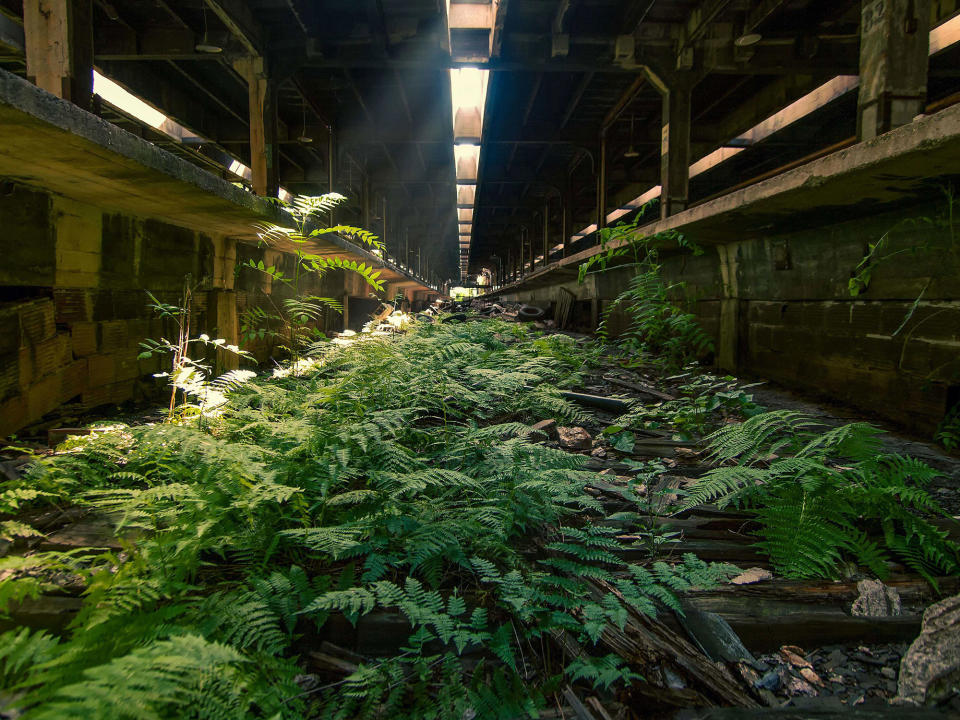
(675, 144)
(222, 311)
(894, 55)
(728, 340)
(331, 169)
(264, 149)
(546, 233)
(602, 183)
(58, 35)
(523, 251)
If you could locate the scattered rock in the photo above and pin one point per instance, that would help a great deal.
(794, 655)
(753, 575)
(930, 670)
(547, 427)
(810, 676)
(876, 600)
(575, 438)
(598, 452)
(799, 686)
(770, 680)
(835, 659)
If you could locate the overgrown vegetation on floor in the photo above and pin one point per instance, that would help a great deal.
(400, 475)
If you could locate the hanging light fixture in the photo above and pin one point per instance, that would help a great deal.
(206, 45)
(631, 151)
(304, 138)
(748, 39)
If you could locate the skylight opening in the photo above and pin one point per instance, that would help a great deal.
(127, 102)
(468, 88)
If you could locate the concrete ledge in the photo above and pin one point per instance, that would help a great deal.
(903, 165)
(53, 144)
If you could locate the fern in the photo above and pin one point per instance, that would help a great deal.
(814, 491)
(185, 674)
(20, 650)
(393, 476)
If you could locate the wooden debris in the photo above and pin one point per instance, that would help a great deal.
(647, 642)
(636, 387)
(614, 405)
(563, 308)
(579, 709)
(599, 709)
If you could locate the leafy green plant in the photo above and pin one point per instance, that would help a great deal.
(292, 323)
(658, 329)
(820, 495)
(948, 432)
(705, 402)
(942, 237)
(934, 236)
(394, 476)
(187, 375)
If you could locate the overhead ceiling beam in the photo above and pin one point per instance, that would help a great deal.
(376, 18)
(575, 98)
(11, 36)
(784, 62)
(759, 13)
(240, 21)
(175, 16)
(623, 102)
(533, 98)
(496, 37)
(698, 22)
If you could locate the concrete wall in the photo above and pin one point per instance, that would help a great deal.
(797, 323)
(779, 308)
(73, 306)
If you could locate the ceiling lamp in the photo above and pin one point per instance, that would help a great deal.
(304, 138)
(631, 151)
(748, 39)
(206, 45)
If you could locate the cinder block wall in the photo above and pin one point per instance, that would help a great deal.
(73, 306)
(779, 308)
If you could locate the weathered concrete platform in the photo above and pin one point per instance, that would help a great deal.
(772, 285)
(92, 217)
(900, 167)
(53, 144)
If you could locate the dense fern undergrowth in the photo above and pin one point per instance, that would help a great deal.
(397, 475)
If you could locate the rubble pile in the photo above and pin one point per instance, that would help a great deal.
(480, 309)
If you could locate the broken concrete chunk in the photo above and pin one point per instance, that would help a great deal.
(799, 686)
(575, 438)
(876, 600)
(547, 427)
(794, 655)
(753, 575)
(810, 676)
(930, 670)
